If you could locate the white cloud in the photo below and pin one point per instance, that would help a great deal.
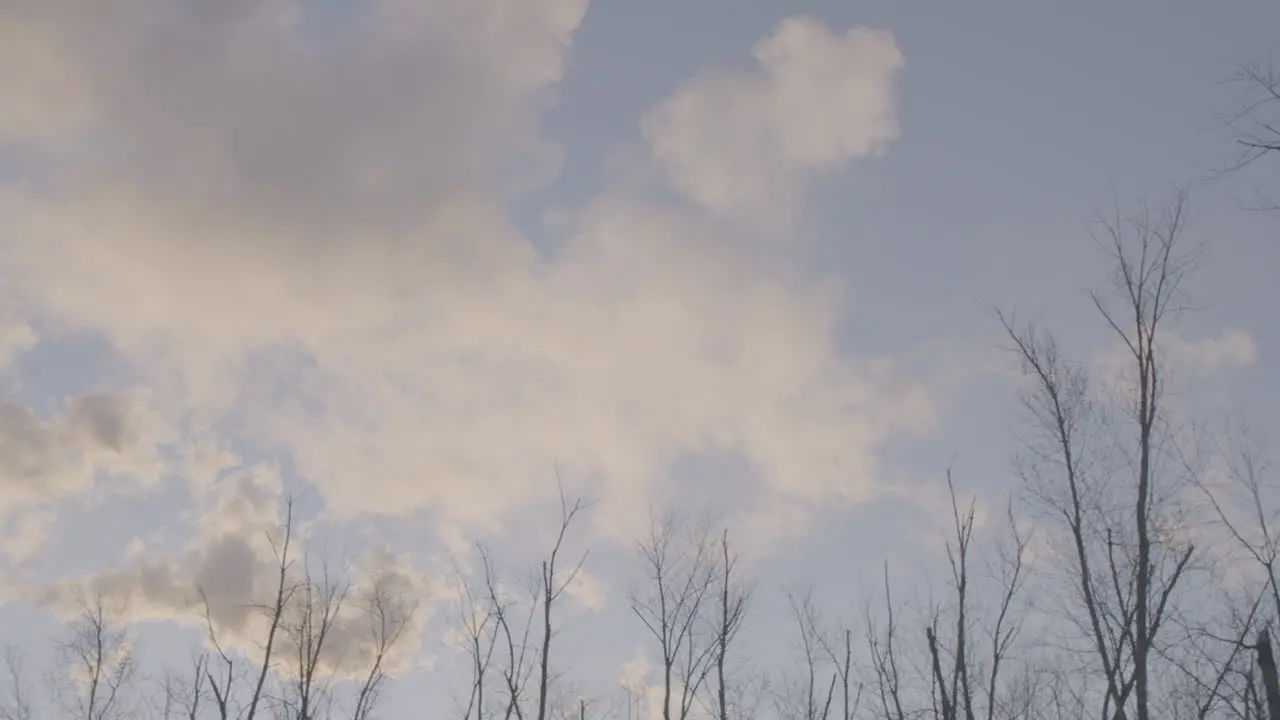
(634, 673)
(1179, 356)
(645, 697)
(27, 534)
(636, 676)
(1232, 349)
(307, 242)
(589, 590)
(820, 99)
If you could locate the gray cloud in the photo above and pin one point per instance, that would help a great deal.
(231, 565)
(48, 460)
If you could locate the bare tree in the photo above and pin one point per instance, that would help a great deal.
(325, 648)
(389, 612)
(518, 657)
(552, 588)
(969, 691)
(307, 624)
(1267, 664)
(222, 684)
(502, 630)
(1121, 530)
(841, 658)
(184, 693)
(807, 695)
(673, 605)
(99, 652)
(480, 628)
(1244, 507)
(18, 703)
(1256, 119)
(734, 597)
(285, 587)
(883, 646)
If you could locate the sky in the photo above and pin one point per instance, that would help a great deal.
(414, 260)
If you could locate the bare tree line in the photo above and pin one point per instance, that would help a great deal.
(1121, 609)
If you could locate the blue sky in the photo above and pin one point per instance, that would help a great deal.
(408, 258)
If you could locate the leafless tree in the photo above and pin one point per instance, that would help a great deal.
(100, 657)
(390, 612)
(675, 604)
(17, 704)
(970, 689)
(884, 647)
(552, 588)
(1104, 483)
(221, 684)
(839, 653)
(1244, 506)
(285, 588)
(309, 616)
(518, 657)
(325, 649)
(1267, 665)
(476, 618)
(807, 694)
(500, 628)
(851, 687)
(183, 693)
(734, 596)
(275, 611)
(1256, 119)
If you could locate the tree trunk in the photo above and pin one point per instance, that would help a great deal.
(1270, 682)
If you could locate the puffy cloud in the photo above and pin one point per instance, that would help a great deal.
(820, 99)
(644, 343)
(303, 240)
